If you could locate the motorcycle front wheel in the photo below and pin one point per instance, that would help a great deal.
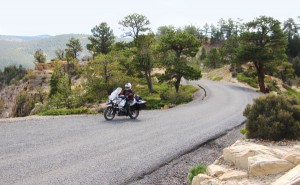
(133, 114)
(109, 113)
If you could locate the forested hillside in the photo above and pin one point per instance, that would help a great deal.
(17, 50)
(263, 53)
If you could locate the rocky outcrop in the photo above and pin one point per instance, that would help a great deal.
(292, 177)
(215, 170)
(37, 80)
(251, 163)
(264, 164)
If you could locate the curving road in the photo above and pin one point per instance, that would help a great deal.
(89, 150)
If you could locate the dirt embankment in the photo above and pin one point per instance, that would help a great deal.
(34, 83)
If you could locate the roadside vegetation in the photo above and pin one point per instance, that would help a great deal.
(11, 75)
(263, 53)
(79, 85)
(263, 58)
(194, 171)
(273, 118)
(65, 111)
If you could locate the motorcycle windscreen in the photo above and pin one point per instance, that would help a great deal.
(115, 93)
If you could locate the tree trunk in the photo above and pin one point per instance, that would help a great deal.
(69, 75)
(149, 81)
(261, 76)
(105, 74)
(177, 84)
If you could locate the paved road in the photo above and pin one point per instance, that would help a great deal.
(89, 150)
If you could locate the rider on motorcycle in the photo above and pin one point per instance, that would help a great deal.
(128, 93)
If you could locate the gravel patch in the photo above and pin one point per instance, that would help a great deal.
(176, 171)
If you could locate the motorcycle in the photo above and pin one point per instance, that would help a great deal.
(117, 106)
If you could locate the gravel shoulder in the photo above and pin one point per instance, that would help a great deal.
(176, 171)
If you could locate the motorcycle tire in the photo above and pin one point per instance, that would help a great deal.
(109, 113)
(133, 114)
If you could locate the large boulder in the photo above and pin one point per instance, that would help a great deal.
(293, 157)
(297, 147)
(239, 153)
(233, 174)
(203, 179)
(264, 164)
(215, 170)
(200, 179)
(290, 178)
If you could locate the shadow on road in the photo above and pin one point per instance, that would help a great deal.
(121, 121)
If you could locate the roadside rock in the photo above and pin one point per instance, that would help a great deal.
(255, 163)
(199, 179)
(203, 179)
(239, 153)
(233, 174)
(293, 158)
(290, 178)
(215, 170)
(264, 164)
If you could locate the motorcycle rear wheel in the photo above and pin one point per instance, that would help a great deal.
(109, 113)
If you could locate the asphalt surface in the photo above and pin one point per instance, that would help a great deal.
(89, 150)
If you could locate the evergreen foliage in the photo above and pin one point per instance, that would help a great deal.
(263, 43)
(213, 59)
(136, 24)
(144, 57)
(73, 49)
(176, 48)
(39, 56)
(11, 73)
(101, 40)
(273, 118)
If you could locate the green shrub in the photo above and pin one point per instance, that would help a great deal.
(154, 104)
(176, 98)
(12, 74)
(23, 105)
(39, 108)
(251, 73)
(165, 95)
(29, 76)
(249, 80)
(194, 171)
(271, 85)
(293, 93)
(243, 131)
(217, 78)
(65, 111)
(273, 118)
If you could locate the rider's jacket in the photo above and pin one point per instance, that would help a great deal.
(128, 93)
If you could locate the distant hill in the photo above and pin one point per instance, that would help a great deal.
(22, 38)
(19, 50)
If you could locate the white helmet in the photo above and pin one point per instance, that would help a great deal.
(128, 85)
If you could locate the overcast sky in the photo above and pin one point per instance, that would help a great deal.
(54, 17)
